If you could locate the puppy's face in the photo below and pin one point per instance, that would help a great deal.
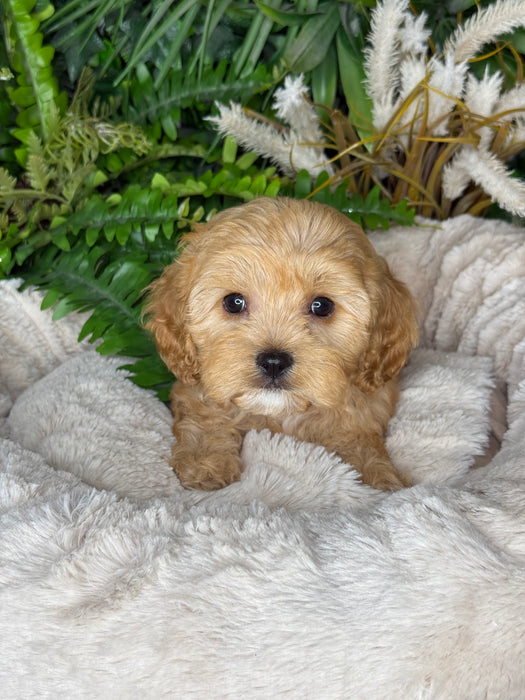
(279, 304)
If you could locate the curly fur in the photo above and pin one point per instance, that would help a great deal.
(340, 391)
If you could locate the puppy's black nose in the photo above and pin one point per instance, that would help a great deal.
(274, 363)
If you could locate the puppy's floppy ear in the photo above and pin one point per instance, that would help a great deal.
(393, 332)
(165, 312)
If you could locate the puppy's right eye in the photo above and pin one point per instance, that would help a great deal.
(234, 303)
(322, 306)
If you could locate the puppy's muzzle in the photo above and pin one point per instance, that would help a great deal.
(274, 365)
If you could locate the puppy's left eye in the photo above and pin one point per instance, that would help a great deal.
(322, 306)
(234, 303)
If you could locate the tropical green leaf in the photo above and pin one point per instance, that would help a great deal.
(353, 79)
(160, 23)
(325, 78)
(312, 43)
(246, 58)
(286, 19)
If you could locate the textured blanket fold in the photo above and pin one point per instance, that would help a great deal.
(298, 581)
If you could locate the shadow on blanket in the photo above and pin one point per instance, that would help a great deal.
(297, 581)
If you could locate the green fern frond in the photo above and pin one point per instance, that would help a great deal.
(112, 291)
(136, 209)
(234, 179)
(37, 88)
(38, 172)
(370, 211)
(7, 183)
(34, 144)
(19, 210)
(150, 104)
(82, 282)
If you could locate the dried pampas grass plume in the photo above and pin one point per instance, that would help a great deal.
(298, 146)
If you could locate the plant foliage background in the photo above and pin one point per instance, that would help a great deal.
(107, 154)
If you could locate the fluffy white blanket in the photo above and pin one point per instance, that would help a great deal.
(298, 581)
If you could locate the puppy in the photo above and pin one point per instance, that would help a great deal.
(279, 314)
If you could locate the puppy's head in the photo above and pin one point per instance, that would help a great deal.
(278, 304)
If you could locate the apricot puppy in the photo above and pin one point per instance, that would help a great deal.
(279, 314)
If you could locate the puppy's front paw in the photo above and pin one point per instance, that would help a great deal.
(386, 478)
(206, 471)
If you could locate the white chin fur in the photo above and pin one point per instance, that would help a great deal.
(270, 402)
